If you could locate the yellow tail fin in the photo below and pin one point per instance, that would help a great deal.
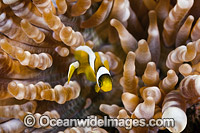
(72, 68)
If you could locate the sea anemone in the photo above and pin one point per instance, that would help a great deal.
(152, 47)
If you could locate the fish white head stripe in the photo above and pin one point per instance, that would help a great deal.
(90, 53)
(101, 71)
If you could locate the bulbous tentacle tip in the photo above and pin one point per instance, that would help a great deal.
(8, 2)
(179, 119)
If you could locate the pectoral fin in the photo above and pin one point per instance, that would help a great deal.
(90, 75)
(72, 68)
(97, 89)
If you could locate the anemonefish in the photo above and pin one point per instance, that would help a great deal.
(94, 65)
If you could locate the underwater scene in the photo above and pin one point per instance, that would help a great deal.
(99, 66)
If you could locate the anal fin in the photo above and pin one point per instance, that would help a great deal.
(81, 70)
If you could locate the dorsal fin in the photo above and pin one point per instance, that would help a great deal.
(104, 60)
(106, 64)
(97, 62)
(82, 57)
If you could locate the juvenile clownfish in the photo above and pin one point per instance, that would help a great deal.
(94, 65)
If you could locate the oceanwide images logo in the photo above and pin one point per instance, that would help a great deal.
(94, 121)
